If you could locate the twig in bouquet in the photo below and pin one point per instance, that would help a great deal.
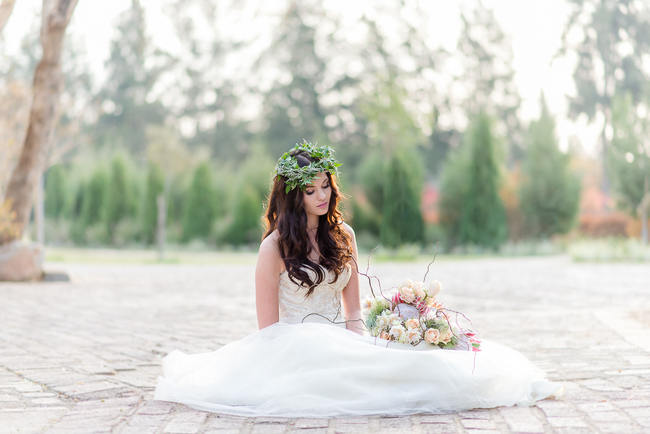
(332, 321)
(459, 313)
(370, 277)
(322, 316)
(448, 323)
(346, 321)
(424, 279)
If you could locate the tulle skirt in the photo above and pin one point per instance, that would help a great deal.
(317, 370)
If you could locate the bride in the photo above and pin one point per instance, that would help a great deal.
(312, 356)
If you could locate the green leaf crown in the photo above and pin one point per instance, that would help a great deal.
(296, 176)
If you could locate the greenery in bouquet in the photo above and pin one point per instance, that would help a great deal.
(413, 315)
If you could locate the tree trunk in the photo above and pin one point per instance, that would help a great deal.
(161, 225)
(46, 90)
(6, 7)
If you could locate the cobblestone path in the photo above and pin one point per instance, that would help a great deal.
(83, 356)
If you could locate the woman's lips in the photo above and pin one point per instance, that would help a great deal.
(322, 205)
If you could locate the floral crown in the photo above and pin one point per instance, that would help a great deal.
(297, 176)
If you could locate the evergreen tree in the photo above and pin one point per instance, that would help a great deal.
(488, 76)
(629, 160)
(90, 202)
(401, 217)
(119, 196)
(483, 218)
(247, 210)
(200, 208)
(126, 109)
(292, 107)
(94, 198)
(550, 193)
(611, 36)
(149, 211)
(55, 191)
(470, 207)
(372, 174)
(454, 188)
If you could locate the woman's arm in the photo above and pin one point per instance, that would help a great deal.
(350, 294)
(267, 280)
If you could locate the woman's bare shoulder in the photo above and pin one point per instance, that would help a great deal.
(348, 229)
(269, 250)
(270, 242)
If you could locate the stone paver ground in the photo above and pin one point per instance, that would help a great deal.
(84, 356)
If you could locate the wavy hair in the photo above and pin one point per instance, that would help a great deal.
(285, 212)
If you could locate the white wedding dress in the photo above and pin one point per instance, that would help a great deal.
(317, 369)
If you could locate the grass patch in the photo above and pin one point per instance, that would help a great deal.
(609, 250)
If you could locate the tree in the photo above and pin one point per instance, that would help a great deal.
(454, 188)
(92, 201)
(125, 105)
(607, 37)
(55, 191)
(292, 107)
(246, 226)
(629, 157)
(550, 193)
(471, 209)
(401, 220)
(46, 90)
(120, 197)
(483, 220)
(488, 76)
(149, 212)
(390, 123)
(200, 209)
(206, 97)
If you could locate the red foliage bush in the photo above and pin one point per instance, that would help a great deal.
(604, 225)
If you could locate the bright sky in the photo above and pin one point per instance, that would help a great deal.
(534, 29)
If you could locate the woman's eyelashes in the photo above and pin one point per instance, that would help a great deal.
(311, 192)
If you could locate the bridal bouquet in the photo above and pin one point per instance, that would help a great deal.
(413, 315)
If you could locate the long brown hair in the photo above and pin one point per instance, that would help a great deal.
(285, 212)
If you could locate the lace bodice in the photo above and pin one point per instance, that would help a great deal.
(325, 300)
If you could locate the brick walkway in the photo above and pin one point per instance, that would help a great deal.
(83, 356)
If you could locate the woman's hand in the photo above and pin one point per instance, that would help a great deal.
(354, 324)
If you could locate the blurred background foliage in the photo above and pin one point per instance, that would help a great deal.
(422, 166)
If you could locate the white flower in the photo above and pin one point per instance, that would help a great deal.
(432, 336)
(384, 319)
(394, 319)
(446, 335)
(367, 303)
(403, 339)
(414, 336)
(412, 323)
(433, 288)
(419, 290)
(408, 283)
(397, 331)
(407, 294)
